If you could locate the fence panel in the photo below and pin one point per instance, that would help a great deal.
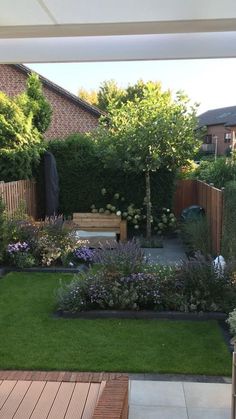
(195, 192)
(20, 192)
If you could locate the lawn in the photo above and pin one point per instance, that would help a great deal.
(32, 338)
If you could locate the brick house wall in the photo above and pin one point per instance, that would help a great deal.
(219, 131)
(69, 115)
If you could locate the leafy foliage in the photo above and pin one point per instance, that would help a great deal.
(203, 288)
(120, 257)
(193, 287)
(229, 221)
(82, 176)
(196, 236)
(20, 140)
(218, 172)
(147, 133)
(2, 228)
(34, 103)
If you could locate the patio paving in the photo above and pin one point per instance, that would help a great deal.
(172, 253)
(179, 400)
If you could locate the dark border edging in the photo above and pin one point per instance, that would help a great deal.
(142, 315)
(54, 269)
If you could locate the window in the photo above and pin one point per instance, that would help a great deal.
(227, 137)
(208, 139)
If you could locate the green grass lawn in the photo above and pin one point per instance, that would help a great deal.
(31, 338)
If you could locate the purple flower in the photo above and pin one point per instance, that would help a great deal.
(84, 254)
(13, 248)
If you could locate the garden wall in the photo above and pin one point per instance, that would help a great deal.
(195, 192)
(21, 192)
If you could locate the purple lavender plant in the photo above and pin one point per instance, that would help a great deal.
(123, 257)
(84, 254)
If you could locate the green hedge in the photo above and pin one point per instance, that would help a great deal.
(229, 221)
(82, 176)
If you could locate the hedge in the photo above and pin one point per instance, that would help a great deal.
(82, 176)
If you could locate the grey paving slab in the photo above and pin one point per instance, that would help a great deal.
(207, 395)
(172, 253)
(144, 412)
(208, 413)
(156, 393)
(179, 400)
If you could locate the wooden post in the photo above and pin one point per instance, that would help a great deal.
(123, 230)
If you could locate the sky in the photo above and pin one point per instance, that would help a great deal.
(209, 82)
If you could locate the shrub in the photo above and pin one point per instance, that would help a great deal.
(218, 172)
(193, 287)
(103, 291)
(229, 221)
(120, 257)
(232, 322)
(204, 289)
(196, 236)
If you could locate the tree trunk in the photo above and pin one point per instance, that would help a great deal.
(149, 205)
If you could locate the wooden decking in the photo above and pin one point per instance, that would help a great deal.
(44, 398)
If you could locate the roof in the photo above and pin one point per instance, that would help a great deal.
(58, 89)
(222, 116)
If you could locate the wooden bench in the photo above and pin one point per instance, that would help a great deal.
(101, 222)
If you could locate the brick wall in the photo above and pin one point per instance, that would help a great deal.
(68, 116)
(219, 131)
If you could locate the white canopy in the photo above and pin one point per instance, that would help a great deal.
(111, 30)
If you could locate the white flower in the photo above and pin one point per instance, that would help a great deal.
(118, 213)
(136, 226)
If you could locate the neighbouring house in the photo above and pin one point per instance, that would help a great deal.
(70, 113)
(221, 130)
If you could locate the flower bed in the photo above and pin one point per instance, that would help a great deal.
(123, 281)
(29, 244)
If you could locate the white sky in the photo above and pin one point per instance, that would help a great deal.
(212, 83)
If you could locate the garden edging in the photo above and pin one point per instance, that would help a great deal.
(142, 314)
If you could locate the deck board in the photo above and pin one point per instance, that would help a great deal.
(53, 395)
(30, 400)
(5, 390)
(12, 402)
(61, 402)
(46, 400)
(78, 400)
(91, 401)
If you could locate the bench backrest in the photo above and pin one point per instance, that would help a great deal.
(97, 221)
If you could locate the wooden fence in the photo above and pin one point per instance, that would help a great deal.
(15, 194)
(195, 192)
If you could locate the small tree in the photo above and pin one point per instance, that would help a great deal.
(148, 133)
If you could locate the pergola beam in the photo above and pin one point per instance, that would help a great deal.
(119, 48)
